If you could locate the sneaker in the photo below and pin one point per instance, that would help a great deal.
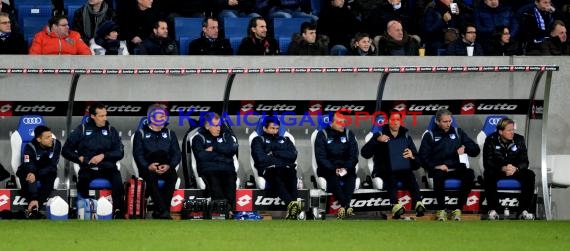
(292, 210)
(341, 213)
(456, 215)
(525, 215)
(493, 215)
(420, 209)
(441, 215)
(349, 212)
(397, 211)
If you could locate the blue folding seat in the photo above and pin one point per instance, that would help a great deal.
(188, 27)
(235, 29)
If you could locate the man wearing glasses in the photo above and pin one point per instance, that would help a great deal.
(466, 45)
(10, 42)
(57, 39)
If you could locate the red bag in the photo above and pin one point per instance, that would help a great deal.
(135, 200)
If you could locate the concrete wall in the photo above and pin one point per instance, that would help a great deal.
(312, 86)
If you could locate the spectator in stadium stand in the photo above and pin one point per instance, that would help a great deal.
(439, 152)
(362, 45)
(11, 42)
(214, 147)
(8, 9)
(236, 8)
(557, 43)
(503, 44)
(156, 152)
(57, 39)
(336, 153)
(389, 10)
(158, 43)
(209, 42)
(106, 41)
(378, 147)
(39, 166)
(96, 146)
(536, 18)
(284, 9)
(340, 24)
(396, 42)
(274, 157)
(439, 19)
(257, 42)
(88, 18)
(468, 39)
(490, 14)
(505, 156)
(306, 42)
(137, 22)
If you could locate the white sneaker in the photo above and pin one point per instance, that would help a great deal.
(493, 215)
(525, 215)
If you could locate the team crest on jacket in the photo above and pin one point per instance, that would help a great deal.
(165, 135)
(329, 141)
(267, 141)
(220, 140)
(88, 132)
(147, 135)
(514, 148)
(105, 132)
(452, 136)
(51, 155)
(343, 139)
(281, 141)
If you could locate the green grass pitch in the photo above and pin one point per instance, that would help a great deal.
(284, 235)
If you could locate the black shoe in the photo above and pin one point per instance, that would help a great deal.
(118, 215)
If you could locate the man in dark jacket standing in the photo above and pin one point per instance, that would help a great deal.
(394, 155)
(39, 164)
(336, 152)
(214, 149)
(440, 151)
(274, 156)
(156, 152)
(209, 43)
(505, 156)
(257, 42)
(96, 146)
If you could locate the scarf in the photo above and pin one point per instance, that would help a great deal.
(98, 17)
(539, 19)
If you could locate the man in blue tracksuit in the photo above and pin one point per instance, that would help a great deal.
(439, 151)
(274, 156)
(157, 153)
(96, 146)
(39, 164)
(336, 152)
(214, 148)
(505, 156)
(395, 166)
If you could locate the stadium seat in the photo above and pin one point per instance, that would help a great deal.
(99, 183)
(450, 184)
(31, 26)
(324, 121)
(489, 127)
(144, 122)
(71, 8)
(184, 42)
(260, 180)
(235, 29)
(200, 184)
(188, 27)
(284, 28)
(23, 135)
(34, 9)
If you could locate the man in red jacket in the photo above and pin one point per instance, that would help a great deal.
(57, 39)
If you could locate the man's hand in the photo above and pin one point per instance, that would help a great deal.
(461, 150)
(341, 171)
(442, 167)
(509, 169)
(136, 40)
(210, 149)
(383, 138)
(232, 2)
(97, 159)
(153, 167)
(81, 159)
(162, 168)
(31, 178)
(32, 204)
(408, 154)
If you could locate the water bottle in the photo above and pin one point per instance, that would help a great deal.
(506, 213)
